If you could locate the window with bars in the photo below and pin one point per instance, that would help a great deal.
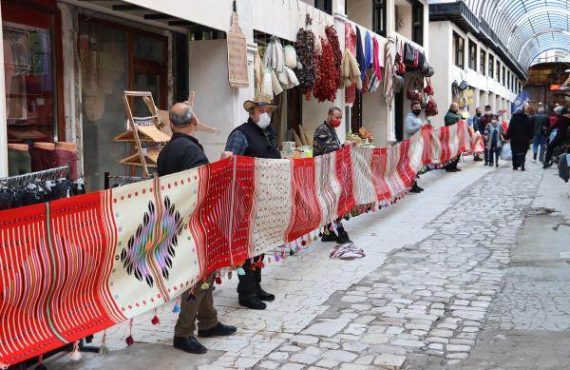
(379, 17)
(504, 74)
(418, 23)
(472, 55)
(459, 45)
(324, 5)
(498, 77)
(483, 63)
(491, 66)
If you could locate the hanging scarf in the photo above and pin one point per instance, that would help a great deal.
(360, 54)
(376, 59)
(368, 49)
(389, 71)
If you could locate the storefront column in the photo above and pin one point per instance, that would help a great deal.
(476, 100)
(3, 124)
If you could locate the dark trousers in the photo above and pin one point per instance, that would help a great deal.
(494, 154)
(519, 159)
(250, 283)
(551, 146)
(200, 308)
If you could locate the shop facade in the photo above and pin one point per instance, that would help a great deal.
(67, 64)
(471, 70)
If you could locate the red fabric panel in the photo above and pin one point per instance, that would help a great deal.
(306, 211)
(344, 175)
(379, 161)
(427, 137)
(405, 171)
(222, 220)
(446, 154)
(56, 277)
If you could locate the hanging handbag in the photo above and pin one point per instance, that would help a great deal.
(397, 83)
(415, 90)
(431, 107)
(429, 87)
(399, 65)
(409, 54)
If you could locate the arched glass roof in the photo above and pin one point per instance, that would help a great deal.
(527, 27)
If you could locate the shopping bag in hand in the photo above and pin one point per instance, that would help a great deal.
(506, 153)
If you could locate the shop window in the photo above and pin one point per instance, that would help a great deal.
(498, 77)
(115, 58)
(459, 52)
(379, 17)
(32, 72)
(483, 63)
(472, 55)
(491, 66)
(324, 5)
(418, 23)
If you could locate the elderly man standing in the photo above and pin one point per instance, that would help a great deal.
(451, 118)
(184, 152)
(412, 124)
(254, 138)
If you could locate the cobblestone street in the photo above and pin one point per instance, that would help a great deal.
(454, 278)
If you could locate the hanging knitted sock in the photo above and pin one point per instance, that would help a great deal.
(103, 350)
(155, 320)
(75, 355)
(129, 340)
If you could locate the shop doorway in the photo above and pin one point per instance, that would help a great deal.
(115, 58)
(399, 115)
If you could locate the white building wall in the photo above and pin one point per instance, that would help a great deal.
(488, 90)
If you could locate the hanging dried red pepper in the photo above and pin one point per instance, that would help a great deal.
(305, 46)
(326, 83)
(332, 36)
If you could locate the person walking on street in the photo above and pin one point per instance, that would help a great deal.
(412, 124)
(494, 139)
(561, 126)
(184, 152)
(326, 141)
(540, 124)
(520, 134)
(254, 138)
(451, 118)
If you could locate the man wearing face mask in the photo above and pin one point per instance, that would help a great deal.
(412, 124)
(254, 138)
(326, 141)
(451, 118)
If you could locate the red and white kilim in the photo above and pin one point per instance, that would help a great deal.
(73, 267)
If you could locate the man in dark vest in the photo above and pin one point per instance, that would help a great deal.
(255, 138)
(184, 152)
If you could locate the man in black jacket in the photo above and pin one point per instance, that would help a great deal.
(254, 138)
(184, 152)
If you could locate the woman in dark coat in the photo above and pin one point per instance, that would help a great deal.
(520, 134)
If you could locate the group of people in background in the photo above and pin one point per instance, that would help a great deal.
(544, 132)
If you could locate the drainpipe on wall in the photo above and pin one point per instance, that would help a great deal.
(3, 123)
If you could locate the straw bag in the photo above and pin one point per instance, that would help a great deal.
(237, 55)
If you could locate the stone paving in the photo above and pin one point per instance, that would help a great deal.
(434, 266)
(431, 298)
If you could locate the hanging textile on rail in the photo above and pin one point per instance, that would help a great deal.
(89, 262)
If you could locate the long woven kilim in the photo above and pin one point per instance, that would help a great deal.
(73, 267)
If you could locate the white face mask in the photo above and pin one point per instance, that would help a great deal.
(264, 121)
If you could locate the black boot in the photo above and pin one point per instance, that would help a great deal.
(330, 237)
(219, 330)
(247, 289)
(262, 294)
(252, 303)
(189, 344)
